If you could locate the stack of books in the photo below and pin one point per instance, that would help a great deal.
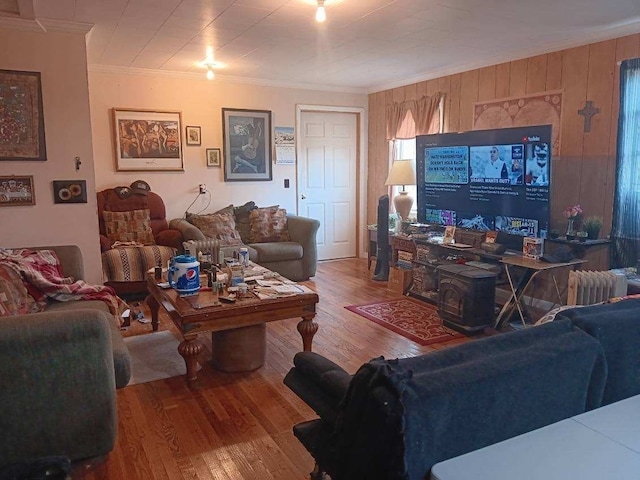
(405, 260)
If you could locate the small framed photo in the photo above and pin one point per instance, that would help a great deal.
(213, 157)
(69, 191)
(193, 136)
(16, 191)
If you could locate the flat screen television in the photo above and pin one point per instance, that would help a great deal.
(486, 179)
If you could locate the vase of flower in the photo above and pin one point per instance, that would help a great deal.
(570, 231)
(572, 213)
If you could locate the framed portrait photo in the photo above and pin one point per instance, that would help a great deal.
(213, 157)
(147, 140)
(193, 136)
(16, 191)
(22, 125)
(247, 145)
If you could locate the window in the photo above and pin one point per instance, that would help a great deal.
(405, 149)
(626, 205)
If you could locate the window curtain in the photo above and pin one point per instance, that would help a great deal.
(407, 119)
(625, 232)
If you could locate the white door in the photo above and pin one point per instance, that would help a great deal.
(327, 180)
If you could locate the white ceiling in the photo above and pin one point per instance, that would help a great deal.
(364, 46)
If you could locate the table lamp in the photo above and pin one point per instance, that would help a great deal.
(402, 173)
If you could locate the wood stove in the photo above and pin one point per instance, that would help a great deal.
(466, 297)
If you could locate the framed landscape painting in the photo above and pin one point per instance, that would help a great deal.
(21, 116)
(147, 140)
(247, 144)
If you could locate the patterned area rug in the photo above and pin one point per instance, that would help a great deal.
(417, 321)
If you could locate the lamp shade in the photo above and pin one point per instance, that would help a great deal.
(402, 172)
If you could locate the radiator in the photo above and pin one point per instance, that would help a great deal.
(588, 287)
(194, 247)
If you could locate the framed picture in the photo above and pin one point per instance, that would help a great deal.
(193, 136)
(247, 144)
(213, 157)
(69, 191)
(147, 140)
(16, 191)
(21, 117)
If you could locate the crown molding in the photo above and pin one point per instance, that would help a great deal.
(16, 23)
(44, 25)
(619, 30)
(51, 25)
(113, 70)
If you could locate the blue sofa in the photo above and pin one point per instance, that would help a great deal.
(616, 326)
(395, 419)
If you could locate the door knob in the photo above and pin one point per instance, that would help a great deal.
(302, 196)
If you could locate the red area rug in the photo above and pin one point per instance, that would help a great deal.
(417, 321)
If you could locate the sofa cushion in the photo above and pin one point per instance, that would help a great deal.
(268, 225)
(220, 226)
(14, 297)
(243, 220)
(131, 226)
(277, 251)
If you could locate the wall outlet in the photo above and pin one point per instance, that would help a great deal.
(203, 188)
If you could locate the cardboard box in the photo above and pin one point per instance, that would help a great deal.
(399, 280)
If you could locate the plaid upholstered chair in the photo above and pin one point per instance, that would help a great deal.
(134, 237)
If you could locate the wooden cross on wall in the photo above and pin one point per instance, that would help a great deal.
(587, 112)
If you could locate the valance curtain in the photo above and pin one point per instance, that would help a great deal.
(424, 119)
(625, 231)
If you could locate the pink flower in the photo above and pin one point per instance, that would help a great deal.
(573, 211)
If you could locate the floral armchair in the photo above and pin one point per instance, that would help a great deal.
(134, 236)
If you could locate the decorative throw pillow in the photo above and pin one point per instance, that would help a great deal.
(14, 297)
(269, 225)
(243, 221)
(220, 226)
(228, 210)
(131, 226)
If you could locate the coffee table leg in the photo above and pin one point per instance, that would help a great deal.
(190, 348)
(307, 328)
(154, 306)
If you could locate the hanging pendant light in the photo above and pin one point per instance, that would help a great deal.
(321, 15)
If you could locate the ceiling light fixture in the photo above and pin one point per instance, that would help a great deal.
(209, 64)
(321, 15)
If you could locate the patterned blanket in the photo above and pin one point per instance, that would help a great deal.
(130, 264)
(40, 270)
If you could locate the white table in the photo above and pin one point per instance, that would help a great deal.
(599, 445)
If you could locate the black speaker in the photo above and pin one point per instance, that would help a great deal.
(381, 272)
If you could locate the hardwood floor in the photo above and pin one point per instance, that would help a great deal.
(238, 426)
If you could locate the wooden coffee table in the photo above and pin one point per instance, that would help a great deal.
(240, 325)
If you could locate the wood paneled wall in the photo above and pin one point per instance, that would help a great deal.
(584, 172)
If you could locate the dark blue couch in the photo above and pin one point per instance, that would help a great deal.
(616, 326)
(394, 419)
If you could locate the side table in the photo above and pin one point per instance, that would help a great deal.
(531, 269)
